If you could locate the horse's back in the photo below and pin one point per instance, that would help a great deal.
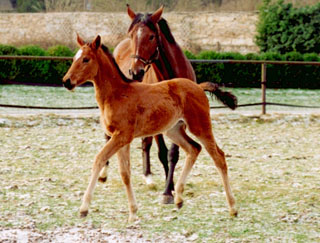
(195, 105)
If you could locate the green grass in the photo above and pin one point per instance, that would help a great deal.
(273, 165)
(84, 96)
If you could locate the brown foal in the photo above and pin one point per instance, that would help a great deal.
(131, 109)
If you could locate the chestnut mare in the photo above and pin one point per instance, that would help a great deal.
(131, 109)
(151, 46)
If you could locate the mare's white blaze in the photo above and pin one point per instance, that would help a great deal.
(139, 34)
(78, 55)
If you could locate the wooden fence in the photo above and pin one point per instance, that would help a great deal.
(263, 64)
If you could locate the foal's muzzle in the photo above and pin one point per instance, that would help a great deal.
(67, 84)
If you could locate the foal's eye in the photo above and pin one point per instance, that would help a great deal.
(86, 60)
(151, 37)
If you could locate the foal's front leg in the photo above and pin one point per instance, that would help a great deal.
(104, 172)
(124, 169)
(114, 144)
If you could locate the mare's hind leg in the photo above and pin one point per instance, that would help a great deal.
(173, 157)
(178, 135)
(104, 172)
(162, 153)
(146, 146)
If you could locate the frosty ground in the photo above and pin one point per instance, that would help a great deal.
(274, 163)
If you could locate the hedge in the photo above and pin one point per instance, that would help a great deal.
(249, 75)
(284, 28)
(232, 75)
(42, 72)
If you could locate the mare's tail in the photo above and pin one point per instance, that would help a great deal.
(225, 97)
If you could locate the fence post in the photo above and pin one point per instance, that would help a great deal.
(263, 86)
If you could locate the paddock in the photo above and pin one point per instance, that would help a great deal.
(274, 171)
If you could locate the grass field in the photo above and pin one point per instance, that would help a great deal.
(45, 163)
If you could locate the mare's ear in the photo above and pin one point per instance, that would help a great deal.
(131, 14)
(155, 17)
(97, 42)
(80, 40)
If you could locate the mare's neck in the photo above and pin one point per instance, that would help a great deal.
(172, 62)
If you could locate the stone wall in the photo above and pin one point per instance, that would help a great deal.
(193, 31)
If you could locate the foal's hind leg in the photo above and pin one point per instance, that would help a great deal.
(219, 159)
(178, 135)
(104, 172)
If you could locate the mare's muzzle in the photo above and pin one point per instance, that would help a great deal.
(138, 76)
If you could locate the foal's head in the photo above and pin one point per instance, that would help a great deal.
(144, 34)
(84, 66)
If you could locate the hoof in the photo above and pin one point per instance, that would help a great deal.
(149, 182)
(132, 218)
(234, 212)
(167, 199)
(83, 214)
(179, 205)
(102, 179)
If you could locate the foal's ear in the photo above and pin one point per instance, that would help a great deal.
(80, 40)
(155, 17)
(131, 14)
(97, 42)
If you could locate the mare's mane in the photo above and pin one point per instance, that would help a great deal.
(162, 23)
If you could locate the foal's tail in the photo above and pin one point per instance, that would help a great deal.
(225, 97)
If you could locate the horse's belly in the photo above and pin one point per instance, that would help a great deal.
(156, 123)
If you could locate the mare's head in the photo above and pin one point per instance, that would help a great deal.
(84, 66)
(144, 35)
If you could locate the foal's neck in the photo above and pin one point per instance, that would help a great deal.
(109, 82)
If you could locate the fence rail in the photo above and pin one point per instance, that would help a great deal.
(263, 64)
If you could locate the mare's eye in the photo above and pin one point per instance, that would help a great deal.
(151, 37)
(86, 60)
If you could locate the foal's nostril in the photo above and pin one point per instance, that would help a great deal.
(67, 84)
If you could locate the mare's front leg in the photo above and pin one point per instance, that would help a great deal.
(146, 146)
(115, 143)
(124, 169)
(162, 153)
(104, 172)
(173, 157)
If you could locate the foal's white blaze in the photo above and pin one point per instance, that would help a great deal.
(78, 55)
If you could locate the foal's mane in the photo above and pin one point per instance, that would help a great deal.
(106, 51)
(162, 23)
